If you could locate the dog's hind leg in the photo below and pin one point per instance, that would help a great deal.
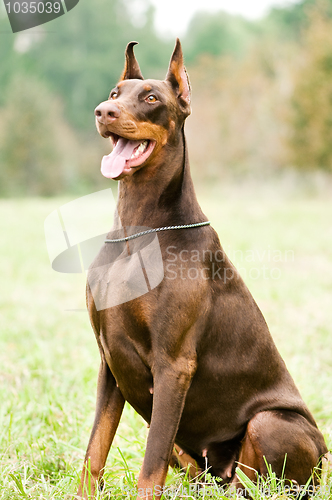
(109, 408)
(182, 460)
(285, 440)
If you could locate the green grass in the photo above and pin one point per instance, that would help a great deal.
(49, 358)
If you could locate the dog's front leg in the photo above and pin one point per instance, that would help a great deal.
(171, 383)
(109, 408)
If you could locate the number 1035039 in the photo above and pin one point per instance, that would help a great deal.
(33, 7)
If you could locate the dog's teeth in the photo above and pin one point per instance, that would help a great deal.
(140, 149)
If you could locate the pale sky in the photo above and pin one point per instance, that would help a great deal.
(173, 16)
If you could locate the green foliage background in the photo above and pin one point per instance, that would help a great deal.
(262, 89)
(262, 107)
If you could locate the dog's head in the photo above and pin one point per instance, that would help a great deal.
(142, 116)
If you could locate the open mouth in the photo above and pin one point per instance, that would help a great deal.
(126, 154)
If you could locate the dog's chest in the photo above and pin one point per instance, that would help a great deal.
(126, 271)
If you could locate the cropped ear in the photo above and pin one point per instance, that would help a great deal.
(178, 78)
(131, 69)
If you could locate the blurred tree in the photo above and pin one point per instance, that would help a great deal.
(311, 104)
(218, 34)
(34, 139)
(238, 121)
(289, 22)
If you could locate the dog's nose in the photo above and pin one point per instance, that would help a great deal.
(107, 112)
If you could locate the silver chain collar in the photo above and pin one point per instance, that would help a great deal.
(167, 228)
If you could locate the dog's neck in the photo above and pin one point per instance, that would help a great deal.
(163, 197)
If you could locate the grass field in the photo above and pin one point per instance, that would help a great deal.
(49, 358)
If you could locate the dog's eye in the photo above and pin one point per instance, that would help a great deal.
(151, 98)
(113, 95)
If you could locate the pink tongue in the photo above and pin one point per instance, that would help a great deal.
(113, 165)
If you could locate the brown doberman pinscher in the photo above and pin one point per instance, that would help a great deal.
(193, 355)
